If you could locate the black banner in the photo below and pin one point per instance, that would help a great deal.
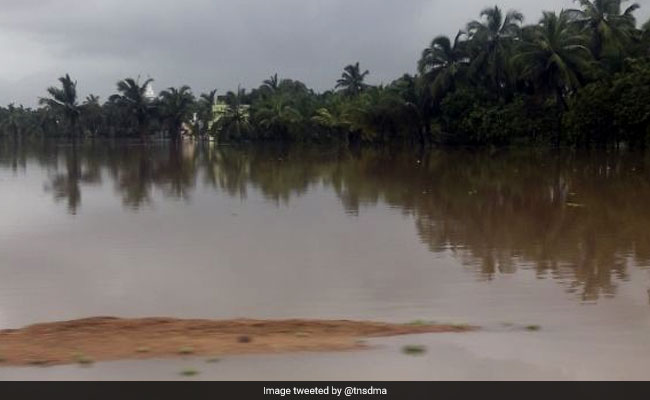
(324, 390)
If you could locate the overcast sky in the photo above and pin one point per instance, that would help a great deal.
(221, 43)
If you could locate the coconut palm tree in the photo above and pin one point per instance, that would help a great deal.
(645, 37)
(63, 100)
(12, 120)
(331, 118)
(91, 118)
(419, 99)
(277, 115)
(490, 40)
(133, 97)
(553, 55)
(607, 23)
(271, 84)
(442, 62)
(334, 115)
(175, 108)
(351, 81)
(205, 108)
(235, 118)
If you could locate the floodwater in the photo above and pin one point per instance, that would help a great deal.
(501, 239)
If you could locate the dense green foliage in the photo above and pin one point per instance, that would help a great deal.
(579, 77)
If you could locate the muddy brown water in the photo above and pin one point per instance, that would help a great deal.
(503, 239)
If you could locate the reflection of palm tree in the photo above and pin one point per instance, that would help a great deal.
(134, 177)
(495, 214)
(176, 175)
(68, 185)
(165, 167)
(228, 170)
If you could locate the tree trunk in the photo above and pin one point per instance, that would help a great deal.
(176, 132)
(73, 132)
(561, 107)
(142, 128)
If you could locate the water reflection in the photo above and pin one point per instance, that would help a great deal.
(580, 219)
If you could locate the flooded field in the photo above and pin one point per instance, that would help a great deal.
(547, 251)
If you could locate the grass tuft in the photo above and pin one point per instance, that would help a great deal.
(186, 350)
(533, 328)
(413, 349)
(189, 372)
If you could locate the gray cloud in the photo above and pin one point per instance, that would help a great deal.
(209, 44)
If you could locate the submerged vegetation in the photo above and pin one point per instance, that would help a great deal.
(578, 77)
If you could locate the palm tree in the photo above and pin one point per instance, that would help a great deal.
(235, 116)
(334, 116)
(331, 118)
(12, 121)
(645, 38)
(271, 84)
(352, 80)
(206, 110)
(133, 97)
(64, 101)
(491, 39)
(606, 22)
(276, 115)
(92, 115)
(418, 97)
(442, 62)
(553, 56)
(175, 107)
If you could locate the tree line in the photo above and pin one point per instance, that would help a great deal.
(578, 77)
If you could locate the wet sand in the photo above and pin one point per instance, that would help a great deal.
(107, 338)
